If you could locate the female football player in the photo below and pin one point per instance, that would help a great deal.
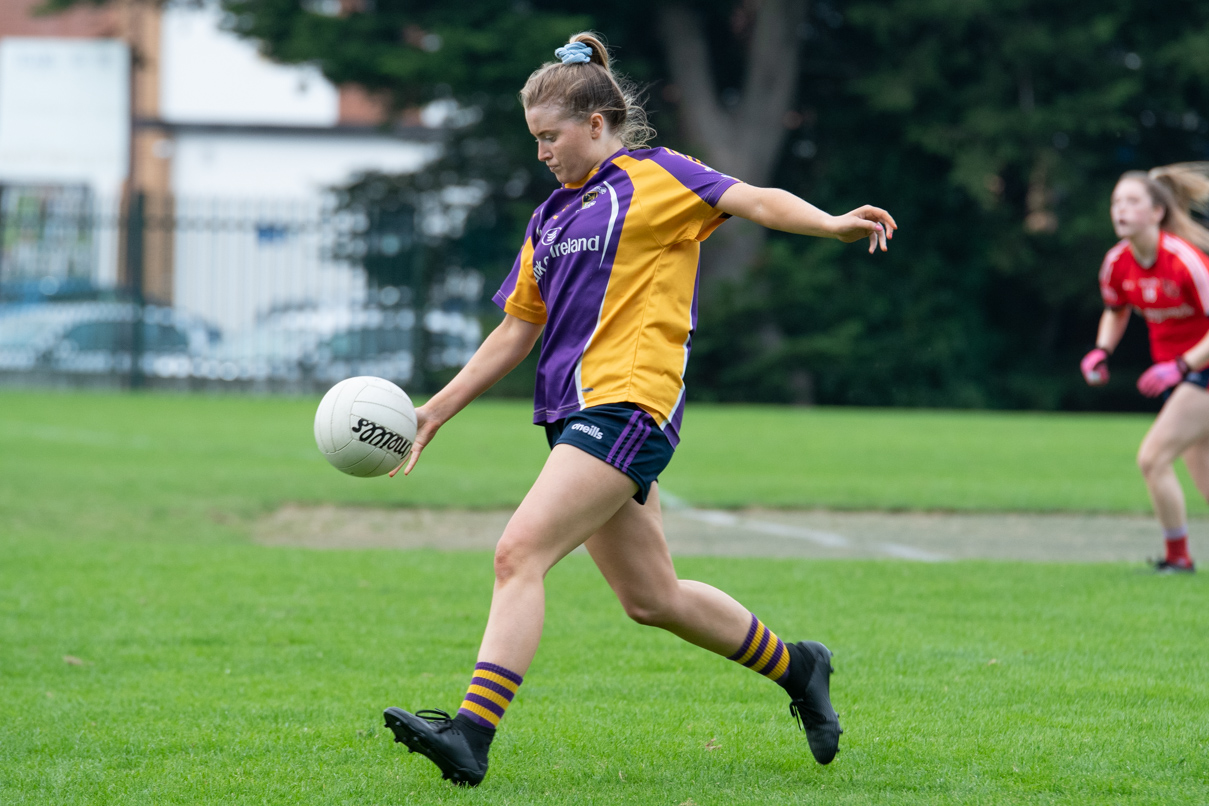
(608, 270)
(1159, 269)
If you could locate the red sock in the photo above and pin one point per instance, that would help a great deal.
(1177, 551)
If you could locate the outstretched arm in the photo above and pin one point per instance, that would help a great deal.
(781, 210)
(500, 352)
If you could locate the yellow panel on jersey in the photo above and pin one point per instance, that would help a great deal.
(526, 302)
(640, 349)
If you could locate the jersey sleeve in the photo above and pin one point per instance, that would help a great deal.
(1110, 280)
(684, 203)
(1197, 270)
(519, 294)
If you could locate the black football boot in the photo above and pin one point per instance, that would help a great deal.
(456, 745)
(809, 690)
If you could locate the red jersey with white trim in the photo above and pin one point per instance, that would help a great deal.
(1172, 295)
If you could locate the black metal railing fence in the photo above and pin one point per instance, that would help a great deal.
(206, 293)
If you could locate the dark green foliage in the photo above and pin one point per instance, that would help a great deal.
(994, 133)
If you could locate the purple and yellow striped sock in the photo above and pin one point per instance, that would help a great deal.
(763, 652)
(491, 691)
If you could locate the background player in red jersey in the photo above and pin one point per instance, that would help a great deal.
(1160, 270)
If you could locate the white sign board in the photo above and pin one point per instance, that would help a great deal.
(64, 112)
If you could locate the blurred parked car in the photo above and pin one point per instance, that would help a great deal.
(98, 337)
(325, 344)
(331, 344)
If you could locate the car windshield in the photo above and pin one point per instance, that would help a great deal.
(26, 329)
(369, 342)
(266, 343)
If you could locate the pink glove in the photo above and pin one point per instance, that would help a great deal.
(1095, 367)
(1162, 376)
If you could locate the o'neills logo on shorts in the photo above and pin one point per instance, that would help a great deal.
(590, 430)
(371, 433)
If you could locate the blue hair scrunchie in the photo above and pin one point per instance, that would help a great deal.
(574, 53)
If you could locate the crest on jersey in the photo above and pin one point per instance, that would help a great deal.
(591, 196)
(1170, 289)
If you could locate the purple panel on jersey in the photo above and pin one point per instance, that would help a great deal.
(575, 242)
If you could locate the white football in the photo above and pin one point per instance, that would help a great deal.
(365, 426)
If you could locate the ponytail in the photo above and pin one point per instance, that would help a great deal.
(583, 84)
(1179, 189)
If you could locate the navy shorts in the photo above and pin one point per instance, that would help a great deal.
(618, 434)
(1199, 378)
(1196, 378)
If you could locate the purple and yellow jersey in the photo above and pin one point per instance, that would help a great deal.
(609, 266)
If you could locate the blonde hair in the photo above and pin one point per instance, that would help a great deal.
(582, 90)
(1179, 189)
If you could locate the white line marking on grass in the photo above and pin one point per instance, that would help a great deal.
(716, 517)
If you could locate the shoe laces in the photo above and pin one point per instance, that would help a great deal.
(801, 713)
(804, 715)
(441, 719)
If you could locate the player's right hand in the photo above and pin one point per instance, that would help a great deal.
(426, 429)
(1094, 367)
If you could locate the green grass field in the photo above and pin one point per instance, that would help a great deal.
(203, 668)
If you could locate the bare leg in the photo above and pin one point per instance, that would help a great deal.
(631, 552)
(574, 495)
(1196, 459)
(1183, 422)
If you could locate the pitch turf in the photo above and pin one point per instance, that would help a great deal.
(150, 654)
(215, 459)
(242, 674)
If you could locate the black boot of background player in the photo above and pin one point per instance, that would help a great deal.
(456, 745)
(808, 684)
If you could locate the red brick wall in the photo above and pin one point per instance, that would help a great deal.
(17, 18)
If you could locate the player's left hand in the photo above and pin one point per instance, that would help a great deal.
(1162, 376)
(869, 222)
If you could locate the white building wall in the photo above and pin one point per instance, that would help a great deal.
(283, 165)
(65, 120)
(209, 75)
(271, 188)
(65, 112)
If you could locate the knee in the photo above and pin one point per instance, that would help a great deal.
(1150, 462)
(649, 612)
(512, 559)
